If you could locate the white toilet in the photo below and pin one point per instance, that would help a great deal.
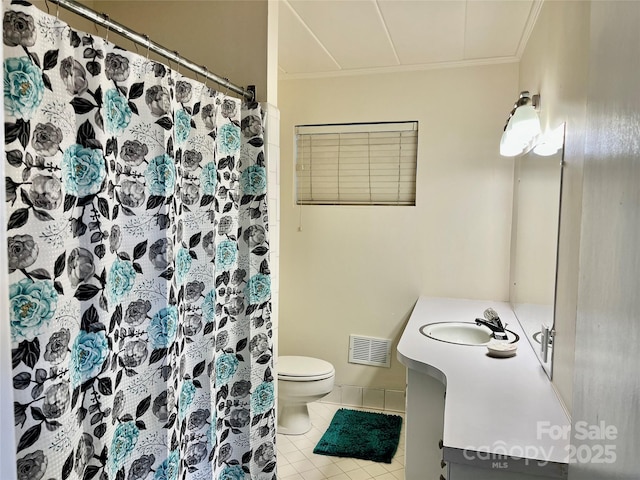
(301, 380)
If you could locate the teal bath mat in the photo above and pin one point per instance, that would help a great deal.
(363, 435)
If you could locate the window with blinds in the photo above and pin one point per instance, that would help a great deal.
(357, 164)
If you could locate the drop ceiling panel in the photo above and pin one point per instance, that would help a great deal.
(352, 31)
(425, 32)
(298, 49)
(495, 28)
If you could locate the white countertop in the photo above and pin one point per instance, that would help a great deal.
(495, 405)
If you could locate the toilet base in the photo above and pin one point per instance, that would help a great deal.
(294, 419)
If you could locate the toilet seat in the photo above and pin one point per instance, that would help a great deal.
(301, 380)
(303, 369)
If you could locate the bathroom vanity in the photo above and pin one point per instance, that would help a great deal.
(472, 416)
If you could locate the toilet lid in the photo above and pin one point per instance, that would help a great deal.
(307, 368)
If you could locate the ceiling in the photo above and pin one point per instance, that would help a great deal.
(348, 37)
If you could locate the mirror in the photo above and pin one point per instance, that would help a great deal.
(534, 247)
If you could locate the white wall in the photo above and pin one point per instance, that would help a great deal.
(586, 57)
(607, 384)
(272, 51)
(361, 269)
(272, 154)
(555, 64)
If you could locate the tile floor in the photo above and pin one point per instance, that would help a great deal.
(296, 460)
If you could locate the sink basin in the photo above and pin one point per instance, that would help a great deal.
(462, 333)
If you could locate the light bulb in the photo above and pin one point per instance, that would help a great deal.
(545, 149)
(521, 131)
(550, 143)
(525, 123)
(509, 146)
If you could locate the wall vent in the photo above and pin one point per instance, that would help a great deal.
(370, 351)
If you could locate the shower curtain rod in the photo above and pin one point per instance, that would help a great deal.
(111, 25)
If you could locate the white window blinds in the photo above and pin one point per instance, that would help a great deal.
(357, 164)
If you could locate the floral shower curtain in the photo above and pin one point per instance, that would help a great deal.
(138, 265)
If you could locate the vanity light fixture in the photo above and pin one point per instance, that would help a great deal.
(522, 127)
(550, 142)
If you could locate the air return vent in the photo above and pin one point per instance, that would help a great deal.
(369, 351)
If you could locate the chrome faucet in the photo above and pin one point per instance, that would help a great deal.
(492, 322)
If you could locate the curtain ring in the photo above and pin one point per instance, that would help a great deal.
(106, 18)
(146, 37)
(46, 3)
(226, 80)
(177, 54)
(57, 11)
(206, 77)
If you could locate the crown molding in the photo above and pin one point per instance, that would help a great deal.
(399, 68)
(528, 29)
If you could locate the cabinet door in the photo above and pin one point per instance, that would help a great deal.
(425, 421)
